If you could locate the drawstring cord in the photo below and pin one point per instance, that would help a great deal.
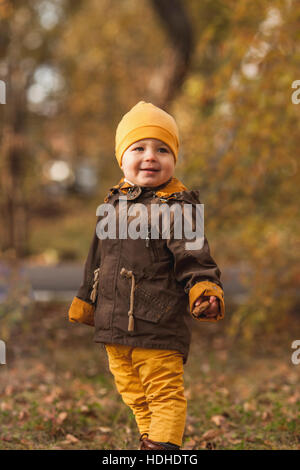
(95, 285)
(129, 275)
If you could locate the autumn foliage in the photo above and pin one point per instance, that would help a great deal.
(73, 68)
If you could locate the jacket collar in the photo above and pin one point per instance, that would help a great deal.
(163, 191)
(171, 186)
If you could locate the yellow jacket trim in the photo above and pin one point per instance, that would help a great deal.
(81, 312)
(207, 288)
(174, 186)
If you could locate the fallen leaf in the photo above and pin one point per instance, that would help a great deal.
(224, 391)
(191, 419)
(293, 399)
(23, 414)
(104, 429)
(210, 434)
(25, 442)
(50, 398)
(218, 419)
(5, 406)
(61, 417)
(268, 443)
(84, 409)
(189, 430)
(202, 445)
(127, 430)
(205, 367)
(249, 406)
(190, 445)
(71, 439)
(8, 390)
(235, 441)
(103, 438)
(266, 415)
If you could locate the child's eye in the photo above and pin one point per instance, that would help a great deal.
(161, 149)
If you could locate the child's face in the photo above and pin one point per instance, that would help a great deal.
(148, 162)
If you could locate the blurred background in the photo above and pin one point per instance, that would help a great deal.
(224, 70)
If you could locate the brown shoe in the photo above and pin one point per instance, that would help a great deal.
(147, 444)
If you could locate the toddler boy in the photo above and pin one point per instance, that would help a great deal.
(137, 291)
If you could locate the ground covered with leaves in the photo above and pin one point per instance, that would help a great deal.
(56, 391)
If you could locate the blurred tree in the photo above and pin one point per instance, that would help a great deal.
(24, 47)
(14, 155)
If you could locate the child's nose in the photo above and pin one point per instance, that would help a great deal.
(150, 154)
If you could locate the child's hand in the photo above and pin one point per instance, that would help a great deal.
(212, 310)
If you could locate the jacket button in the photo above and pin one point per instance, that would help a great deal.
(134, 193)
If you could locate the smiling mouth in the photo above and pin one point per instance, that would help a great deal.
(152, 170)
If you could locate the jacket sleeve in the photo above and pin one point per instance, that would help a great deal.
(82, 307)
(197, 271)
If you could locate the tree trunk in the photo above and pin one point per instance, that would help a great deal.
(167, 81)
(14, 207)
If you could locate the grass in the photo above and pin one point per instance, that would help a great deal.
(56, 391)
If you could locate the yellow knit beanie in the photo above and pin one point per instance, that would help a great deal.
(144, 121)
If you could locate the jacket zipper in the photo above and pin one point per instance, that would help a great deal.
(148, 237)
(151, 243)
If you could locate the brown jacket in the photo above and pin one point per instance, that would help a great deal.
(138, 292)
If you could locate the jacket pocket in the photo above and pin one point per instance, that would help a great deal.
(149, 307)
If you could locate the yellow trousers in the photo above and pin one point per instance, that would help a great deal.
(150, 382)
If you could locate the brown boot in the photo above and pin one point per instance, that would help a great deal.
(147, 444)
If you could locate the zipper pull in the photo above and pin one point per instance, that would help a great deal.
(147, 238)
